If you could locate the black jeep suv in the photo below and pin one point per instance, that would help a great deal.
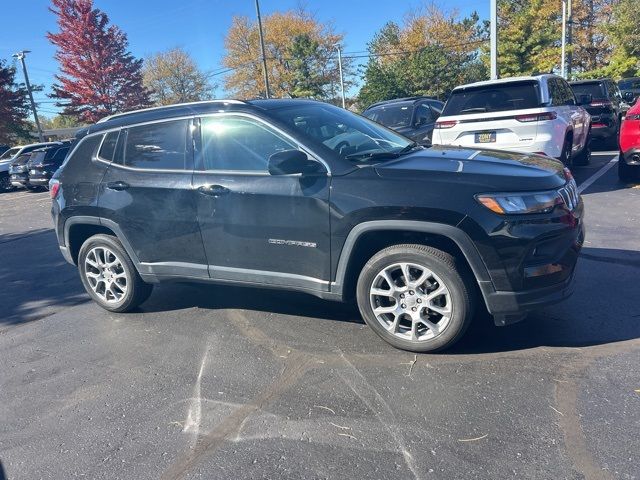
(301, 195)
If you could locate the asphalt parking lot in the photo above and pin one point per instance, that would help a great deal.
(220, 382)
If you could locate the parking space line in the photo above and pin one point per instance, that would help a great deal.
(603, 154)
(589, 181)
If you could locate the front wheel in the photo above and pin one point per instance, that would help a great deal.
(109, 276)
(415, 297)
(565, 155)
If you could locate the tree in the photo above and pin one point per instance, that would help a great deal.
(174, 77)
(301, 57)
(432, 52)
(99, 76)
(59, 121)
(14, 106)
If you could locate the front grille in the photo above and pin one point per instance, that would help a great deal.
(570, 195)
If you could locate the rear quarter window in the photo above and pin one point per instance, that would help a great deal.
(84, 151)
(493, 98)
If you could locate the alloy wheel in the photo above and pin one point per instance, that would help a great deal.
(105, 274)
(411, 302)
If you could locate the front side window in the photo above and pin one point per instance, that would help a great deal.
(423, 114)
(496, 97)
(157, 146)
(238, 143)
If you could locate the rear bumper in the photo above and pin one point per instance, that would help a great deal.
(19, 179)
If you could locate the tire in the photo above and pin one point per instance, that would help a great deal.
(626, 172)
(455, 303)
(565, 155)
(584, 157)
(5, 183)
(126, 288)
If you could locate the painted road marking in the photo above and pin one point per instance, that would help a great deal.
(589, 181)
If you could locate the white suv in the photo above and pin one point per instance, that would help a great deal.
(537, 114)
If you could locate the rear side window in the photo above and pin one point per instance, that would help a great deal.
(157, 146)
(60, 154)
(493, 98)
(9, 153)
(85, 149)
(392, 116)
(108, 146)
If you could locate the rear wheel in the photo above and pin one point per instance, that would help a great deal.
(109, 276)
(5, 183)
(565, 155)
(415, 297)
(584, 157)
(626, 172)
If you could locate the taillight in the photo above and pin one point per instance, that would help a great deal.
(536, 117)
(446, 124)
(54, 187)
(598, 125)
(601, 103)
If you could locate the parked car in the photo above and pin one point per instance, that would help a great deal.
(630, 88)
(535, 114)
(606, 107)
(9, 156)
(245, 193)
(3, 148)
(44, 162)
(413, 117)
(19, 168)
(629, 161)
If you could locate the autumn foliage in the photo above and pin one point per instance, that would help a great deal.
(99, 75)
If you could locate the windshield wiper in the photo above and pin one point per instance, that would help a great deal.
(408, 148)
(472, 110)
(371, 155)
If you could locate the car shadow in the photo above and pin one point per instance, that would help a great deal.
(36, 280)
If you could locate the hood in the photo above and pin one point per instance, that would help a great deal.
(489, 170)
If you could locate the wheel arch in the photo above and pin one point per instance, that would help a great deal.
(367, 238)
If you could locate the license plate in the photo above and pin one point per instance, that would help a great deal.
(486, 137)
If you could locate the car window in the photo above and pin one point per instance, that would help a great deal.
(495, 97)
(564, 93)
(157, 146)
(396, 115)
(423, 114)
(60, 154)
(436, 107)
(37, 157)
(9, 153)
(594, 89)
(108, 146)
(239, 143)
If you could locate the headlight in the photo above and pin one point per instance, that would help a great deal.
(518, 203)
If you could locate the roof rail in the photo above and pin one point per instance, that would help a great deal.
(404, 99)
(175, 105)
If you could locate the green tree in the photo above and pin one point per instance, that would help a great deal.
(59, 121)
(174, 77)
(308, 78)
(14, 106)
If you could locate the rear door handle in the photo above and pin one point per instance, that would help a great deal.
(213, 190)
(120, 185)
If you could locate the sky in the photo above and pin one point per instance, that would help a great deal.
(198, 26)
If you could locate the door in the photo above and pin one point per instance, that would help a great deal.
(258, 227)
(147, 193)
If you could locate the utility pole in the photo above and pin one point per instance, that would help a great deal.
(341, 76)
(569, 38)
(563, 66)
(264, 57)
(494, 39)
(21, 56)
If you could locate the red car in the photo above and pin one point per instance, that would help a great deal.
(629, 162)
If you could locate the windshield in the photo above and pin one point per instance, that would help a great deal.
(350, 136)
(392, 116)
(495, 97)
(9, 153)
(630, 83)
(594, 89)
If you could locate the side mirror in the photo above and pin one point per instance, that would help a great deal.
(291, 162)
(628, 97)
(585, 99)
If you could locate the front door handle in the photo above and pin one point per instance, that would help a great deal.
(119, 185)
(213, 190)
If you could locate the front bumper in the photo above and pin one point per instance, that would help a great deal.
(19, 179)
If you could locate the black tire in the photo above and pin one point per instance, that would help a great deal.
(584, 157)
(5, 183)
(453, 276)
(137, 290)
(626, 172)
(565, 155)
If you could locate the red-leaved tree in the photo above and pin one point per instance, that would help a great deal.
(14, 108)
(99, 75)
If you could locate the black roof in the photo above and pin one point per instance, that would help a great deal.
(186, 109)
(403, 99)
(591, 80)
